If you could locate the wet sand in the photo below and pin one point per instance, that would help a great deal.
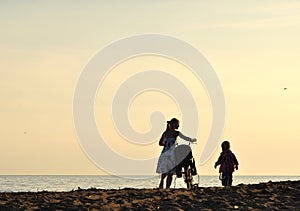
(264, 196)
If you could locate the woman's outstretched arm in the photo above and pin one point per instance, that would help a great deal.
(186, 138)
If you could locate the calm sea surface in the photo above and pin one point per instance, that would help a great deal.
(68, 183)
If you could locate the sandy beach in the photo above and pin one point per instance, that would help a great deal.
(283, 195)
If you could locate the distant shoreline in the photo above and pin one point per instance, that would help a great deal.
(155, 175)
(65, 183)
(282, 195)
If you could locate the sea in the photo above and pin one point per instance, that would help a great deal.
(38, 183)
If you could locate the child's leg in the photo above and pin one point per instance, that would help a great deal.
(230, 179)
(224, 179)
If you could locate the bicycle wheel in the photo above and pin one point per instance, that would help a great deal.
(188, 177)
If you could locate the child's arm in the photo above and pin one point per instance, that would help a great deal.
(219, 161)
(235, 162)
(186, 138)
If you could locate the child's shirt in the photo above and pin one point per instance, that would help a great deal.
(228, 161)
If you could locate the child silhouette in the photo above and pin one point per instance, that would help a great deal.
(228, 163)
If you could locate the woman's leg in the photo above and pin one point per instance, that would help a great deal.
(169, 180)
(161, 184)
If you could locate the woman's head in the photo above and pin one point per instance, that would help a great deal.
(173, 123)
(225, 145)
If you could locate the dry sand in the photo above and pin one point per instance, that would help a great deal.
(264, 196)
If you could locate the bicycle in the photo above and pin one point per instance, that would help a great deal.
(185, 164)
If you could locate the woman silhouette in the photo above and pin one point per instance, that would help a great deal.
(166, 162)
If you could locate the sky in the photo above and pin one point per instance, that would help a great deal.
(253, 46)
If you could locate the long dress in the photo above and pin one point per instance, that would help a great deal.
(166, 162)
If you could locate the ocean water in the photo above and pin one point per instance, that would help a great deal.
(32, 183)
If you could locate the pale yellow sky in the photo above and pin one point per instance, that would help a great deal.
(253, 46)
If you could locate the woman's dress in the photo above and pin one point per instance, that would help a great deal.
(166, 161)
